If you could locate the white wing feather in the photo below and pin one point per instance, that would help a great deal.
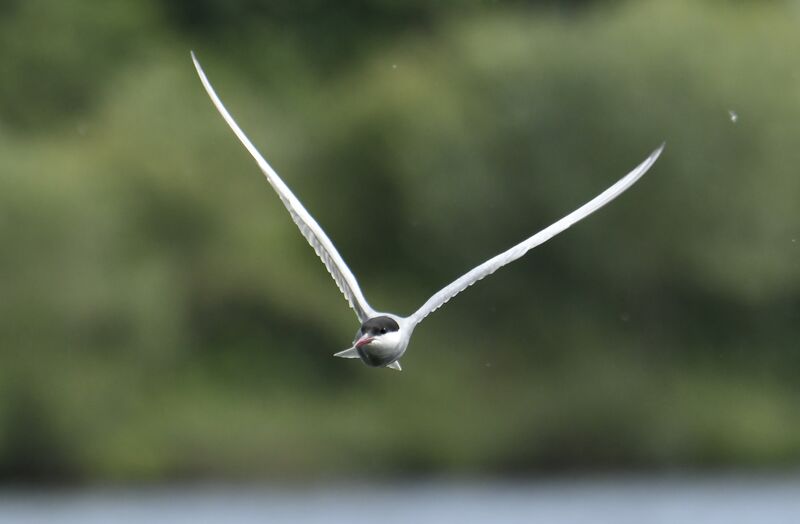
(493, 264)
(308, 226)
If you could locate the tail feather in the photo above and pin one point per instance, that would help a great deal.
(347, 353)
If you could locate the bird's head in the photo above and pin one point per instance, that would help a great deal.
(378, 332)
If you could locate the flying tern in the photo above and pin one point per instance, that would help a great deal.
(383, 337)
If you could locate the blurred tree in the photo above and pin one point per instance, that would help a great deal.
(160, 315)
(57, 56)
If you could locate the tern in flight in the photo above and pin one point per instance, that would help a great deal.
(383, 337)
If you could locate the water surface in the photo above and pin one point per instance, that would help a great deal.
(728, 500)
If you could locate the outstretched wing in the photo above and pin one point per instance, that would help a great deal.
(493, 264)
(308, 226)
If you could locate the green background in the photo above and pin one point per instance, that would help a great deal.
(162, 319)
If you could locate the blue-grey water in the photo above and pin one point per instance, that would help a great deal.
(728, 500)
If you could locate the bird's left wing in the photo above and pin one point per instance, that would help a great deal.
(495, 263)
(308, 226)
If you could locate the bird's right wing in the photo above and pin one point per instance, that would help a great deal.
(493, 264)
(308, 226)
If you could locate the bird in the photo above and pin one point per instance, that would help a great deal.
(382, 338)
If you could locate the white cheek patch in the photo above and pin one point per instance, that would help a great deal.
(390, 339)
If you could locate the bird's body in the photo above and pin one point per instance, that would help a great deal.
(383, 337)
(380, 341)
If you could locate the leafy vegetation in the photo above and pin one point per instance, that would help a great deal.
(161, 318)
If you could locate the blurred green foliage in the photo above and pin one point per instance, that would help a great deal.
(161, 317)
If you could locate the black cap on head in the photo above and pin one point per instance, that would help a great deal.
(382, 324)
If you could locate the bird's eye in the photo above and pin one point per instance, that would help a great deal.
(383, 331)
